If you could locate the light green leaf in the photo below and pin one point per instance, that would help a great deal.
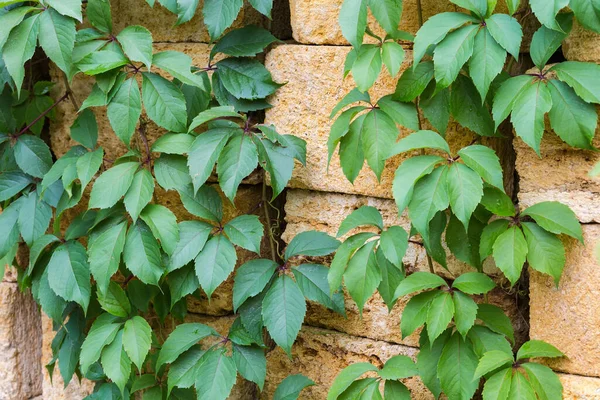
(219, 15)
(398, 367)
(414, 314)
(105, 254)
(497, 202)
(164, 102)
(546, 253)
(124, 110)
(262, 6)
(251, 363)
(404, 114)
(186, 10)
(173, 143)
(182, 282)
(9, 20)
(439, 315)
(19, 49)
(347, 377)
(137, 44)
(312, 280)
(57, 38)
(137, 339)
(341, 258)
(354, 96)
(70, 277)
(171, 172)
(538, 348)
(580, 76)
(507, 32)
(283, 310)
(103, 331)
(35, 251)
(98, 13)
(396, 390)
(544, 381)
(353, 21)
(192, 238)
(213, 113)
(247, 41)
(427, 361)
(407, 174)
(489, 235)
(69, 8)
(479, 7)
(545, 11)
(487, 61)
(163, 224)
(88, 165)
(495, 319)
(392, 55)
(587, 13)
(278, 161)
(290, 387)
(246, 78)
(421, 140)
(520, 388)
(555, 217)
(365, 215)
(139, 193)
(430, 196)
(367, 66)
(474, 283)
(215, 263)
(351, 153)
(182, 373)
(529, 110)
(115, 301)
(245, 231)
(112, 185)
(179, 66)
(362, 277)
(311, 243)
(510, 252)
(506, 96)
(237, 160)
(34, 218)
(485, 162)
(250, 279)
(394, 243)
(498, 385)
(180, 340)
(387, 13)
(32, 155)
(205, 152)
(97, 62)
(452, 53)
(12, 183)
(414, 81)
(546, 41)
(418, 281)
(465, 189)
(142, 254)
(456, 368)
(491, 361)
(465, 312)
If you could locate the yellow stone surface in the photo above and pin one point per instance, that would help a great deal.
(568, 317)
(580, 387)
(582, 45)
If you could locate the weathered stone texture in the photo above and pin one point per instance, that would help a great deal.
(582, 45)
(322, 354)
(580, 387)
(20, 344)
(315, 84)
(568, 317)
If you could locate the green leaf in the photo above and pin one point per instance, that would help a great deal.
(57, 38)
(291, 386)
(215, 263)
(394, 243)
(392, 55)
(262, 6)
(487, 61)
(466, 190)
(250, 279)
(430, 196)
(34, 218)
(351, 153)
(365, 215)
(105, 254)
(479, 7)
(36, 249)
(246, 78)
(353, 96)
(545, 12)
(115, 362)
(142, 254)
(139, 193)
(468, 109)
(137, 44)
(452, 53)
(9, 20)
(219, 15)
(112, 185)
(179, 66)
(85, 129)
(283, 310)
(164, 102)
(490, 235)
(456, 368)
(88, 165)
(98, 62)
(435, 29)
(163, 224)
(32, 155)
(311, 243)
(580, 76)
(347, 377)
(507, 32)
(529, 110)
(103, 331)
(414, 314)
(137, 340)
(396, 390)
(498, 385)
(69, 8)
(474, 283)
(180, 340)
(182, 282)
(245, 231)
(485, 162)
(465, 312)
(70, 278)
(414, 81)
(19, 49)
(507, 95)
(244, 42)
(171, 172)
(571, 118)
(398, 367)
(546, 41)
(421, 140)
(115, 301)
(206, 203)
(353, 21)
(587, 13)
(387, 13)
(404, 114)
(491, 361)
(544, 381)
(362, 277)
(192, 238)
(182, 372)
(251, 363)
(427, 361)
(237, 160)
(391, 276)
(173, 143)
(497, 202)
(12, 183)
(418, 281)
(125, 109)
(495, 319)
(142, 382)
(98, 13)
(186, 10)
(367, 66)
(546, 253)
(555, 217)
(510, 252)
(538, 348)
(520, 388)
(407, 174)
(278, 161)
(341, 258)
(439, 315)
(213, 113)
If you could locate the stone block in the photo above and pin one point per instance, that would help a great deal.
(582, 45)
(321, 355)
(20, 344)
(162, 23)
(567, 316)
(580, 387)
(314, 85)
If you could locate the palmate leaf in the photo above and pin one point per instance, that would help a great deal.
(139, 193)
(34, 218)
(246, 78)
(112, 185)
(468, 109)
(507, 94)
(163, 224)
(430, 196)
(186, 10)
(142, 254)
(439, 315)
(351, 153)
(182, 282)
(555, 217)
(205, 152)
(250, 279)
(311, 243)
(245, 231)
(465, 189)
(182, 372)
(103, 332)
(407, 174)
(137, 340)
(414, 314)
(546, 10)
(587, 13)
(216, 375)
(244, 42)
(193, 235)
(179, 66)
(485, 162)
(546, 41)
(507, 32)
(367, 66)
(32, 155)
(98, 13)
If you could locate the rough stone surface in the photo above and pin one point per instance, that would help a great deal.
(315, 84)
(561, 174)
(321, 355)
(581, 45)
(580, 387)
(161, 22)
(20, 344)
(568, 317)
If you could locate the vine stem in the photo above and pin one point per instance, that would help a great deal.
(71, 94)
(42, 115)
(265, 202)
(420, 13)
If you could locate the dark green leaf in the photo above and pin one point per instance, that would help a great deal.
(164, 102)
(291, 386)
(142, 254)
(311, 243)
(215, 263)
(246, 78)
(219, 15)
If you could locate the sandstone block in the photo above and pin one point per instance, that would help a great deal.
(20, 344)
(567, 316)
(582, 45)
(580, 387)
(321, 354)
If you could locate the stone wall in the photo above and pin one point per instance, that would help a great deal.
(320, 198)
